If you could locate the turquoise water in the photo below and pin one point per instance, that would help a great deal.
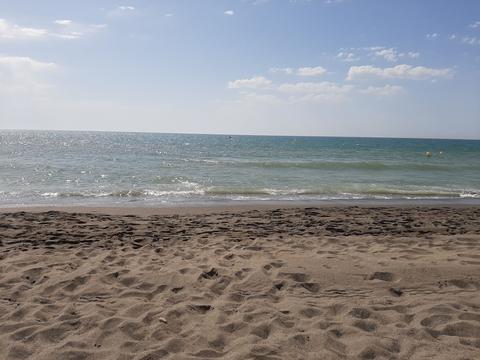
(90, 168)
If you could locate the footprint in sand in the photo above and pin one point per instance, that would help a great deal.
(382, 275)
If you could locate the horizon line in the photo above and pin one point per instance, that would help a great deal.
(245, 134)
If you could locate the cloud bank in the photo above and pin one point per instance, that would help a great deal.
(398, 72)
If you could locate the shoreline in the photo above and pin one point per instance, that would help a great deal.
(236, 207)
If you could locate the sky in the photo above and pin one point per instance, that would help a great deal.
(388, 68)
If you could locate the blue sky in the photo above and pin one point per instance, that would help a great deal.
(319, 67)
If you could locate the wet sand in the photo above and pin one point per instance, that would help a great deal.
(241, 283)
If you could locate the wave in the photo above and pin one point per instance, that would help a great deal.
(272, 193)
(385, 193)
(122, 193)
(336, 165)
(190, 189)
(184, 190)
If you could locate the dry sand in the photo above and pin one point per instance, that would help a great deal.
(298, 283)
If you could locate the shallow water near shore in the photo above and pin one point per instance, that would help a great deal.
(144, 169)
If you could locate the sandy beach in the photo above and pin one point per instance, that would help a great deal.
(350, 282)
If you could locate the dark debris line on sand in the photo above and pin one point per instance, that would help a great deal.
(63, 228)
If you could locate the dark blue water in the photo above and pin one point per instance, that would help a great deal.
(153, 169)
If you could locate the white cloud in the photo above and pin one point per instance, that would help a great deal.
(126, 8)
(316, 91)
(229, 12)
(432, 36)
(387, 90)
(475, 25)
(25, 62)
(373, 48)
(63, 22)
(287, 70)
(71, 30)
(314, 87)
(391, 54)
(9, 31)
(303, 71)
(64, 29)
(24, 75)
(122, 11)
(347, 56)
(72, 35)
(388, 54)
(254, 83)
(398, 72)
(467, 39)
(168, 15)
(311, 71)
(471, 40)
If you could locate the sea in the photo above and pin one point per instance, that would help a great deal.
(151, 169)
